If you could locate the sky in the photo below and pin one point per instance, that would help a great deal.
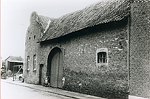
(15, 17)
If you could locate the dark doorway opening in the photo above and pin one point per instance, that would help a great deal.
(40, 74)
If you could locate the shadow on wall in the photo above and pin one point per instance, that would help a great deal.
(92, 85)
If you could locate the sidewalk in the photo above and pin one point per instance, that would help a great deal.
(51, 90)
(58, 91)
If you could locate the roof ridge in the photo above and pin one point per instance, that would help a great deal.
(101, 12)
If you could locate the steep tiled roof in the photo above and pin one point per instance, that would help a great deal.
(103, 12)
(44, 21)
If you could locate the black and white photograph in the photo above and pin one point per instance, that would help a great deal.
(75, 49)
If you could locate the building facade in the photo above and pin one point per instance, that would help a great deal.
(102, 50)
(13, 63)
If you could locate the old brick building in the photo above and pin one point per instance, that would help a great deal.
(101, 50)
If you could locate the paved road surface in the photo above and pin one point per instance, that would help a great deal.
(11, 91)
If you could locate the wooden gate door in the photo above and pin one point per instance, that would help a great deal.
(56, 70)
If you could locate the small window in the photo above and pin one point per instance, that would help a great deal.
(34, 36)
(29, 38)
(28, 62)
(34, 62)
(102, 56)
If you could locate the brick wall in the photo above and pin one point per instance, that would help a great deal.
(80, 70)
(140, 49)
(31, 49)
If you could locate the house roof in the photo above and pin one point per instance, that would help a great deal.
(44, 21)
(14, 59)
(102, 12)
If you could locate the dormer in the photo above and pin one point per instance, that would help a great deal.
(44, 23)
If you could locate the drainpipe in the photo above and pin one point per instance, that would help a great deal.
(128, 48)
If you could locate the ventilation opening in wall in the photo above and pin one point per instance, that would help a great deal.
(28, 62)
(102, 56)
(34, 36)
(34, 62)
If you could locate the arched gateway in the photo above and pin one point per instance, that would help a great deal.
(55, 67)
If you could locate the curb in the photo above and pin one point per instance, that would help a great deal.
(61, 92)
(65, 93)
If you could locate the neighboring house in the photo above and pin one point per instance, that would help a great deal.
(102, 50)
(13, 63)
(3, 65)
